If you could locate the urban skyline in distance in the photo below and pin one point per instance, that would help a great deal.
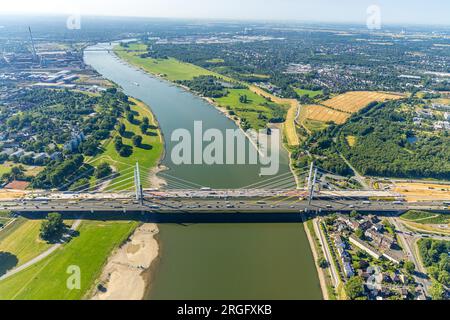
(434, 12)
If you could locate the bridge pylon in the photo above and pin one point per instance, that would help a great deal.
(312, 187)
(137, 184)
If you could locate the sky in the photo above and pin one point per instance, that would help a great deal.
(391, 11)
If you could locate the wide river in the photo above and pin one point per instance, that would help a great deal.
(214, 261)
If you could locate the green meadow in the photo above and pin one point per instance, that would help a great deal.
(170, 69)
(310, 93)
(148, 154)
(89, 251)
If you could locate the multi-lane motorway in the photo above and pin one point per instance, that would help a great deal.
(231, 205)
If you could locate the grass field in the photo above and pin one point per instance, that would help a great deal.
(148, 155)
(351, 102)
(215, 60)
(170, 69)
(310, 93)
(425, 217)
(89, 251)
(22, 240)
(314, 125)
(250, 110)
(30, 171)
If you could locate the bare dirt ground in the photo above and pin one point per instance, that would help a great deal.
(123, 277)
(423, 191)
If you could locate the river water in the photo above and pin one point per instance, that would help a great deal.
(214, 261)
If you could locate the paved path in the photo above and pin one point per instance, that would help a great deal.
(328, 255)
(407, 243)
(40, 257)
(358, 176)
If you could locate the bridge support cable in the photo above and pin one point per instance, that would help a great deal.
(256, 185)
(162, 174)
(172, 183)
(100, 182)
(288, 183)
(272, 182)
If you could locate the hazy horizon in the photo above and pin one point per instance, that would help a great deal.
(433, 12)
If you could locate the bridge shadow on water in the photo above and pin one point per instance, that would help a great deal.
(186, 218)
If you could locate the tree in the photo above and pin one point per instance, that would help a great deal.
(444, 278)
(144, 127)
(121, 129)
(90, 147)
(437, 291)
(354, 288)
(80, 184)
(130, 117)
(103, 170)
(53, 227)
(353, 214)
(118, 144)
(146, 120)
(323, 263)
(137, 140)
(410, 267)
(243, 99)
(359, 233)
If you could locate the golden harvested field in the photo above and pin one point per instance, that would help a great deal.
(354, 101)
(289, 126)
(351, 140)
(423, 191)
(323, 114)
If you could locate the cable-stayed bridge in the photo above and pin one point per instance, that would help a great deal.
(125, 192)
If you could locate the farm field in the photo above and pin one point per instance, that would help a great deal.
(148, 155)
(290, 128)
(89, 251)
(352, 102)
(322, 114)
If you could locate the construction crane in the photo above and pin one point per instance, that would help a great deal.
(33, 48)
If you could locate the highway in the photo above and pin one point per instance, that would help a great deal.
(197, 205)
